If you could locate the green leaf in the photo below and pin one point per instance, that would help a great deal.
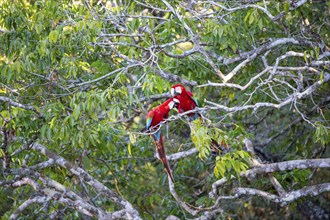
(52, 122)
(322, 134)
(251, 18)
(260, 24)
(321, 76)
(220, 31)
(219, 169)
(76, 112)
(132, 138)
(37, 109)
(129, 149)
(2, 153)
(49, 134)
(201, 139)
(247, 16)
(236, 166)
(87, 162)
(53, 36)
(81, 25)
(277, 5)
(286, 6)
(305, 56)
(94, 116)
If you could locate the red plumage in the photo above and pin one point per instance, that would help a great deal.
(159, 113)
(187, 102)
(154, 117)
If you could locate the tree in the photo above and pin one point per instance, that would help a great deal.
(77, 80)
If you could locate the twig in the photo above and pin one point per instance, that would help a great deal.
(179, 200)
(98, 186)
(288, 197)
(17, 104)
(276, 167)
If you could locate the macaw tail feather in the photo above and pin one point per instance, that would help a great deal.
(162, 156)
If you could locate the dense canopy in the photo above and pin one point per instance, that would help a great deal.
(77, 79)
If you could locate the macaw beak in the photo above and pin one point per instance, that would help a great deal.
(172, 92)
(173, 103)
(176, 102)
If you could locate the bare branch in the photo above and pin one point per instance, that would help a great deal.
(266, 47)
(27, 181)
(288, 197)
(73, 200)
(230, 75)
(151, 6)
(99, 187)
(27, 203)
(182, 154)
(183, 55)
(107, 75)
(195, 40)
(17, 104)
(179, 200)
(174, 78)
(295, 5)
(276, 167)
(155, 97)
(288, 100)
(255, 161)
(243, 7)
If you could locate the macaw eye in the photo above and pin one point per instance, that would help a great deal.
(178, 90)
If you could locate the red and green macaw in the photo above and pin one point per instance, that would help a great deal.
(186, 102)
(154, 118)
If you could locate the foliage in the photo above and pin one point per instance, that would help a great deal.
(79, 77)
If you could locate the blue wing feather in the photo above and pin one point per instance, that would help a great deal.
(148, 124)
(196, 115)
(195, 100)
(157, 135)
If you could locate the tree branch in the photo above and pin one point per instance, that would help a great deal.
(99, 187)
(182, 154)
(288, 197)
(288, 100)
(17, 104)
(27, 203)
(174, 78)
(267, 46)
(275, 167)
(179, 200)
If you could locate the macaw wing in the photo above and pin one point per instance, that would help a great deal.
(195, 100)
(191, 97)
(149, 119)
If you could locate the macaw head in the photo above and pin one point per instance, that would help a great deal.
(177, 89)
(173, 103)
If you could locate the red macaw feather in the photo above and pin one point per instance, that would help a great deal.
(158, 114)
(154, 118)
(162, 156)
(187, 103)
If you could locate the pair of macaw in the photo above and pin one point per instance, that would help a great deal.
(183, 101)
